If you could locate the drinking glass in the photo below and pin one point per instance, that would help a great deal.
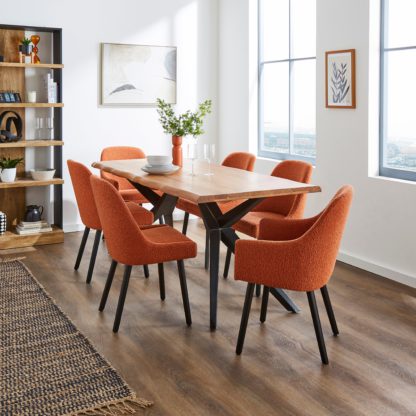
(191, 153)
(209, 156)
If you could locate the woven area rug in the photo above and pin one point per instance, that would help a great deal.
(47, 367)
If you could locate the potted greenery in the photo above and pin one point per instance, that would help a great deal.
(25, 46)
(188, 123)
(8, 169)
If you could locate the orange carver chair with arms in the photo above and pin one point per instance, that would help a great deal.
(294, 254)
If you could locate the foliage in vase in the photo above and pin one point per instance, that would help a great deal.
(188, 123)
(9, 163)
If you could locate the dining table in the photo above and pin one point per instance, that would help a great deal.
(207, 191)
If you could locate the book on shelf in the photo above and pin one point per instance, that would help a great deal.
(35, 227)
(51, 88)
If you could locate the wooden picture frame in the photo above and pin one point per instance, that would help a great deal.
(340, 79)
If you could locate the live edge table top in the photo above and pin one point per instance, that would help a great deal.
(225, 184)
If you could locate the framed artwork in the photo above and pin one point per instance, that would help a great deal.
(135, 75)
(340, 79)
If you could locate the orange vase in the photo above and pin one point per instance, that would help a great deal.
(177, 150)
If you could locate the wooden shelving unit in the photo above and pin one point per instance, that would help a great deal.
(13, 195)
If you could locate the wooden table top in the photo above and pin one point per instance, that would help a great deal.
(226, 184)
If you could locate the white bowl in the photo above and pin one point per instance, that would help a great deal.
(42, 174)
(155, 160)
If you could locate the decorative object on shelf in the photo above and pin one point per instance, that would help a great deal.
(42, 174)
(188, 123)
(340, 79)
(12, 118)
(17, 97)
(33, 213)
(8, 169)
(31, 96)
(136, 74)
(1, 58)
(3, 222)
(25, 51)
(33, 227)
(35, 40)
(44, 128)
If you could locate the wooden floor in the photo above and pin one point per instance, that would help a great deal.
(192, 371)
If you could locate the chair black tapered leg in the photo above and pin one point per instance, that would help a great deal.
(264, 303)
(146, 271)
(93, 255)
(185, 223)
(206, 250)
(317, 326)
(184, 290)
(161, 222)
(258, 291)
(227, 263)
(107, 286)
(82, 247)
(122, 298)
(329, 310)
(244, 318)
(161, 281)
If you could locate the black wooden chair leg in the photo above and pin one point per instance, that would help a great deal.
(329, 310)
(93, 255)
(146, 271)
(107, 286)
(264, 304)
(184, 290)
(82, 247)
(161, 222)
(206, 250)
(161, 281)
(244, 317)
(317, 326)
(122, 298)
(227, 263)
(185, 223)
(258, 291)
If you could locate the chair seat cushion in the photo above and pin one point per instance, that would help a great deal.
(250, 223)
(193, 208)
(169, 243)
(133, 195)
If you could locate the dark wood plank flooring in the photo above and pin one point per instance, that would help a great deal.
(192, 371)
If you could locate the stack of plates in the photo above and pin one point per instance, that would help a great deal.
(159, 165)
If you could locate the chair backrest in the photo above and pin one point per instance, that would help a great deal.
(240, 160)
(124, 239)
(120, 153)
(320, 244)
(80, 177)
(291, 206)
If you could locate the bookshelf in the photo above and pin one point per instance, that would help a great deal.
(13, 196)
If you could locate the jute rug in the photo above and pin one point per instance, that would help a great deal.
(47, 367)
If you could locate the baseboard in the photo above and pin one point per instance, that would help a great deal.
(391, 274)
(72, 228)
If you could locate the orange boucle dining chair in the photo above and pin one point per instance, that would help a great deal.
(237, 160)
(80, 177)
(278, 207)
(132, 245)
(294, 254)
(126, 189)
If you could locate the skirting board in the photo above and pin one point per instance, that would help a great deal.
(391, 274)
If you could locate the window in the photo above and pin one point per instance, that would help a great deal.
(287, 80)
(398, 89)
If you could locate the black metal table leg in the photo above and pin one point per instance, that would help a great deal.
(285, 300)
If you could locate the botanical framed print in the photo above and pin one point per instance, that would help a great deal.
(340, 79)
(137, 74)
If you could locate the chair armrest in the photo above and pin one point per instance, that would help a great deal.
(281, 229)
(113, 182)
(141, 215)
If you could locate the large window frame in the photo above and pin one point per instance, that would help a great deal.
(291, 155)
(384, 170)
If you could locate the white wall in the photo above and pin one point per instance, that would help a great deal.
(191, 25)
(382, 225)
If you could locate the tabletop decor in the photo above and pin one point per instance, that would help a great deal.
(340, 79)
(8, 169)
(35, 57)
(48, 366)
(25, 51)
(189, 123)
(137, 74)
